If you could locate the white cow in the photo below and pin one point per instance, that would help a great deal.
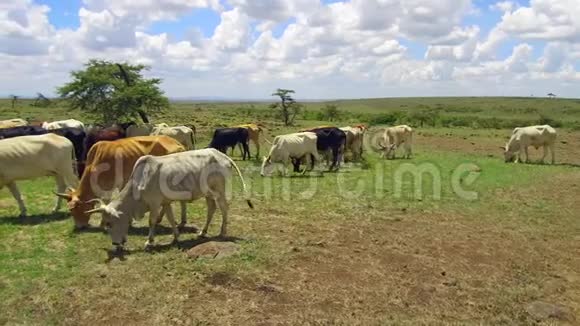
(394, 137)
(13, 123)
(354, 141)
(184, 135)
(70, 123)
(30, 157)
(157, 181)
(537, 136)
(135, 130)
(291, 146)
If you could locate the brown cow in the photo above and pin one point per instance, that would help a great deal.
(109, 167)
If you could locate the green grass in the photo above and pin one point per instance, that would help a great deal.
(310, 251)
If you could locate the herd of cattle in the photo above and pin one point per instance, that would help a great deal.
(155, 165)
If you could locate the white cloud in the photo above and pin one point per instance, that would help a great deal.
(232, 34)
(24, 28)
(545, 20)
(369, 47)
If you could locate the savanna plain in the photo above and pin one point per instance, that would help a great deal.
(476, 242)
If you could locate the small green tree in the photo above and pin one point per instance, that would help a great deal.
(287, 107)
(114, 92)
(330, 112)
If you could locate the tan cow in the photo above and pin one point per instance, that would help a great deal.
(536, 136)
(108, 167)
(13, 123)
(254, 132)
(354, 141)
(394, 137)
(31, 157)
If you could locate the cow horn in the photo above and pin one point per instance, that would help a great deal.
(96, 210)
(96, 200)
(63, 195)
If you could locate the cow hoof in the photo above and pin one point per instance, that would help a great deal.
(148, 245)
(203, 234)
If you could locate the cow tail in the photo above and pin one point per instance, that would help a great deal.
(246, 193)
(74, 178)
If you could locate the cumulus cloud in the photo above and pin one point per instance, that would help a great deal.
(544, 20)
(366, 46)
(24, 28)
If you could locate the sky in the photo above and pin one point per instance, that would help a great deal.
(323, 49)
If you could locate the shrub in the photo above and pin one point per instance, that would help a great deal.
(545, 120)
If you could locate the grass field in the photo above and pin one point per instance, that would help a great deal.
(353, 247)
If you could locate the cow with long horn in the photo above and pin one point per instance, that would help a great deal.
(158, 181)
(109, 166)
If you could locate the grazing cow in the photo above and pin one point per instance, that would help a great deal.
(254, 131)
(31, 157)
(135, 130)
(331, 139)
(183, 134)
(77, 138)
(109, 166)
(22, 131)
(290, 147)
(224, 138)
(537, 136)
(13, 123)
(70, 123)
(354, 141)
(158, 181)
(95, 135)
(393, 137)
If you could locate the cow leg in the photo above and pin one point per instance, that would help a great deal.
(153, 218)
(553, 153)
(246, 147)
(257, 143)
(408, 150)
(223, 204)
(526, 154)
(183, 214)
(211, 207)
(60, 188)
(545, 148)
(171, 219)
(16, 194)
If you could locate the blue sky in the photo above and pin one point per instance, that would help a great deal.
(362, 48)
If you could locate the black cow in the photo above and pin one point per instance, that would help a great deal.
(224, 138)
(328, 139)
(77, 137)
(22, 131)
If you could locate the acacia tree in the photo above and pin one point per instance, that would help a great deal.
(114, 92)
(287, 107)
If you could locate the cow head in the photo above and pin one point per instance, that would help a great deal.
(267, 166)
(509, 156)
(119, 224)
(78, 208)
